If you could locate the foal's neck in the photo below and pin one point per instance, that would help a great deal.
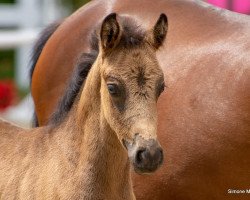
(103, 164)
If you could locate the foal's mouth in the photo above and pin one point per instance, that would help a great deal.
(146, 156)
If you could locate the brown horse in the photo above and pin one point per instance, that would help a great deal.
(82, 154)
(204, 117)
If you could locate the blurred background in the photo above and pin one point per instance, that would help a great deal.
(20, 23)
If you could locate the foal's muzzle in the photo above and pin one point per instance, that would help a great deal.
(145, 155)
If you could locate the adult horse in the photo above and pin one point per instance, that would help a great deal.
(204, 114)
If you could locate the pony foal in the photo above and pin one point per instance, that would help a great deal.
(113, 122)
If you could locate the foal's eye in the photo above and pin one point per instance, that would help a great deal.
(113, 89)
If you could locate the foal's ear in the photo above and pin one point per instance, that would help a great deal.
(110, 32)
(159, 32)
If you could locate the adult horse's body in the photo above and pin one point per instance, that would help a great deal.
(204, 115)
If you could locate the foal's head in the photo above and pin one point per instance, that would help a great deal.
(131, 82)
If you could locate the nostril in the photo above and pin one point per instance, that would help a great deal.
(160, 155)
(160, 152)
(139, 156)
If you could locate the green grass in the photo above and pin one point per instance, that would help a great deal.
(75, 4)
(7, 1)
(7, 64)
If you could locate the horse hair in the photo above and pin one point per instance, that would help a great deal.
(76, 83)
(74, 86)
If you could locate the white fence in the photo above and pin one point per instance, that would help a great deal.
(27, 17)
(20, 25)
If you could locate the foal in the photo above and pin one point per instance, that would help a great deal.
(112, 123)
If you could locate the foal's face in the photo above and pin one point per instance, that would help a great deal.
(131, 84)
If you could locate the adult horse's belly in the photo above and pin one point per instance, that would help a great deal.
(204, 113)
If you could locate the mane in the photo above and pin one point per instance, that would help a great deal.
(132, 36)
(76, 82)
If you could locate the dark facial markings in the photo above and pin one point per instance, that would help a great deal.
(144, 83)
(141, 78)
(117, 92)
